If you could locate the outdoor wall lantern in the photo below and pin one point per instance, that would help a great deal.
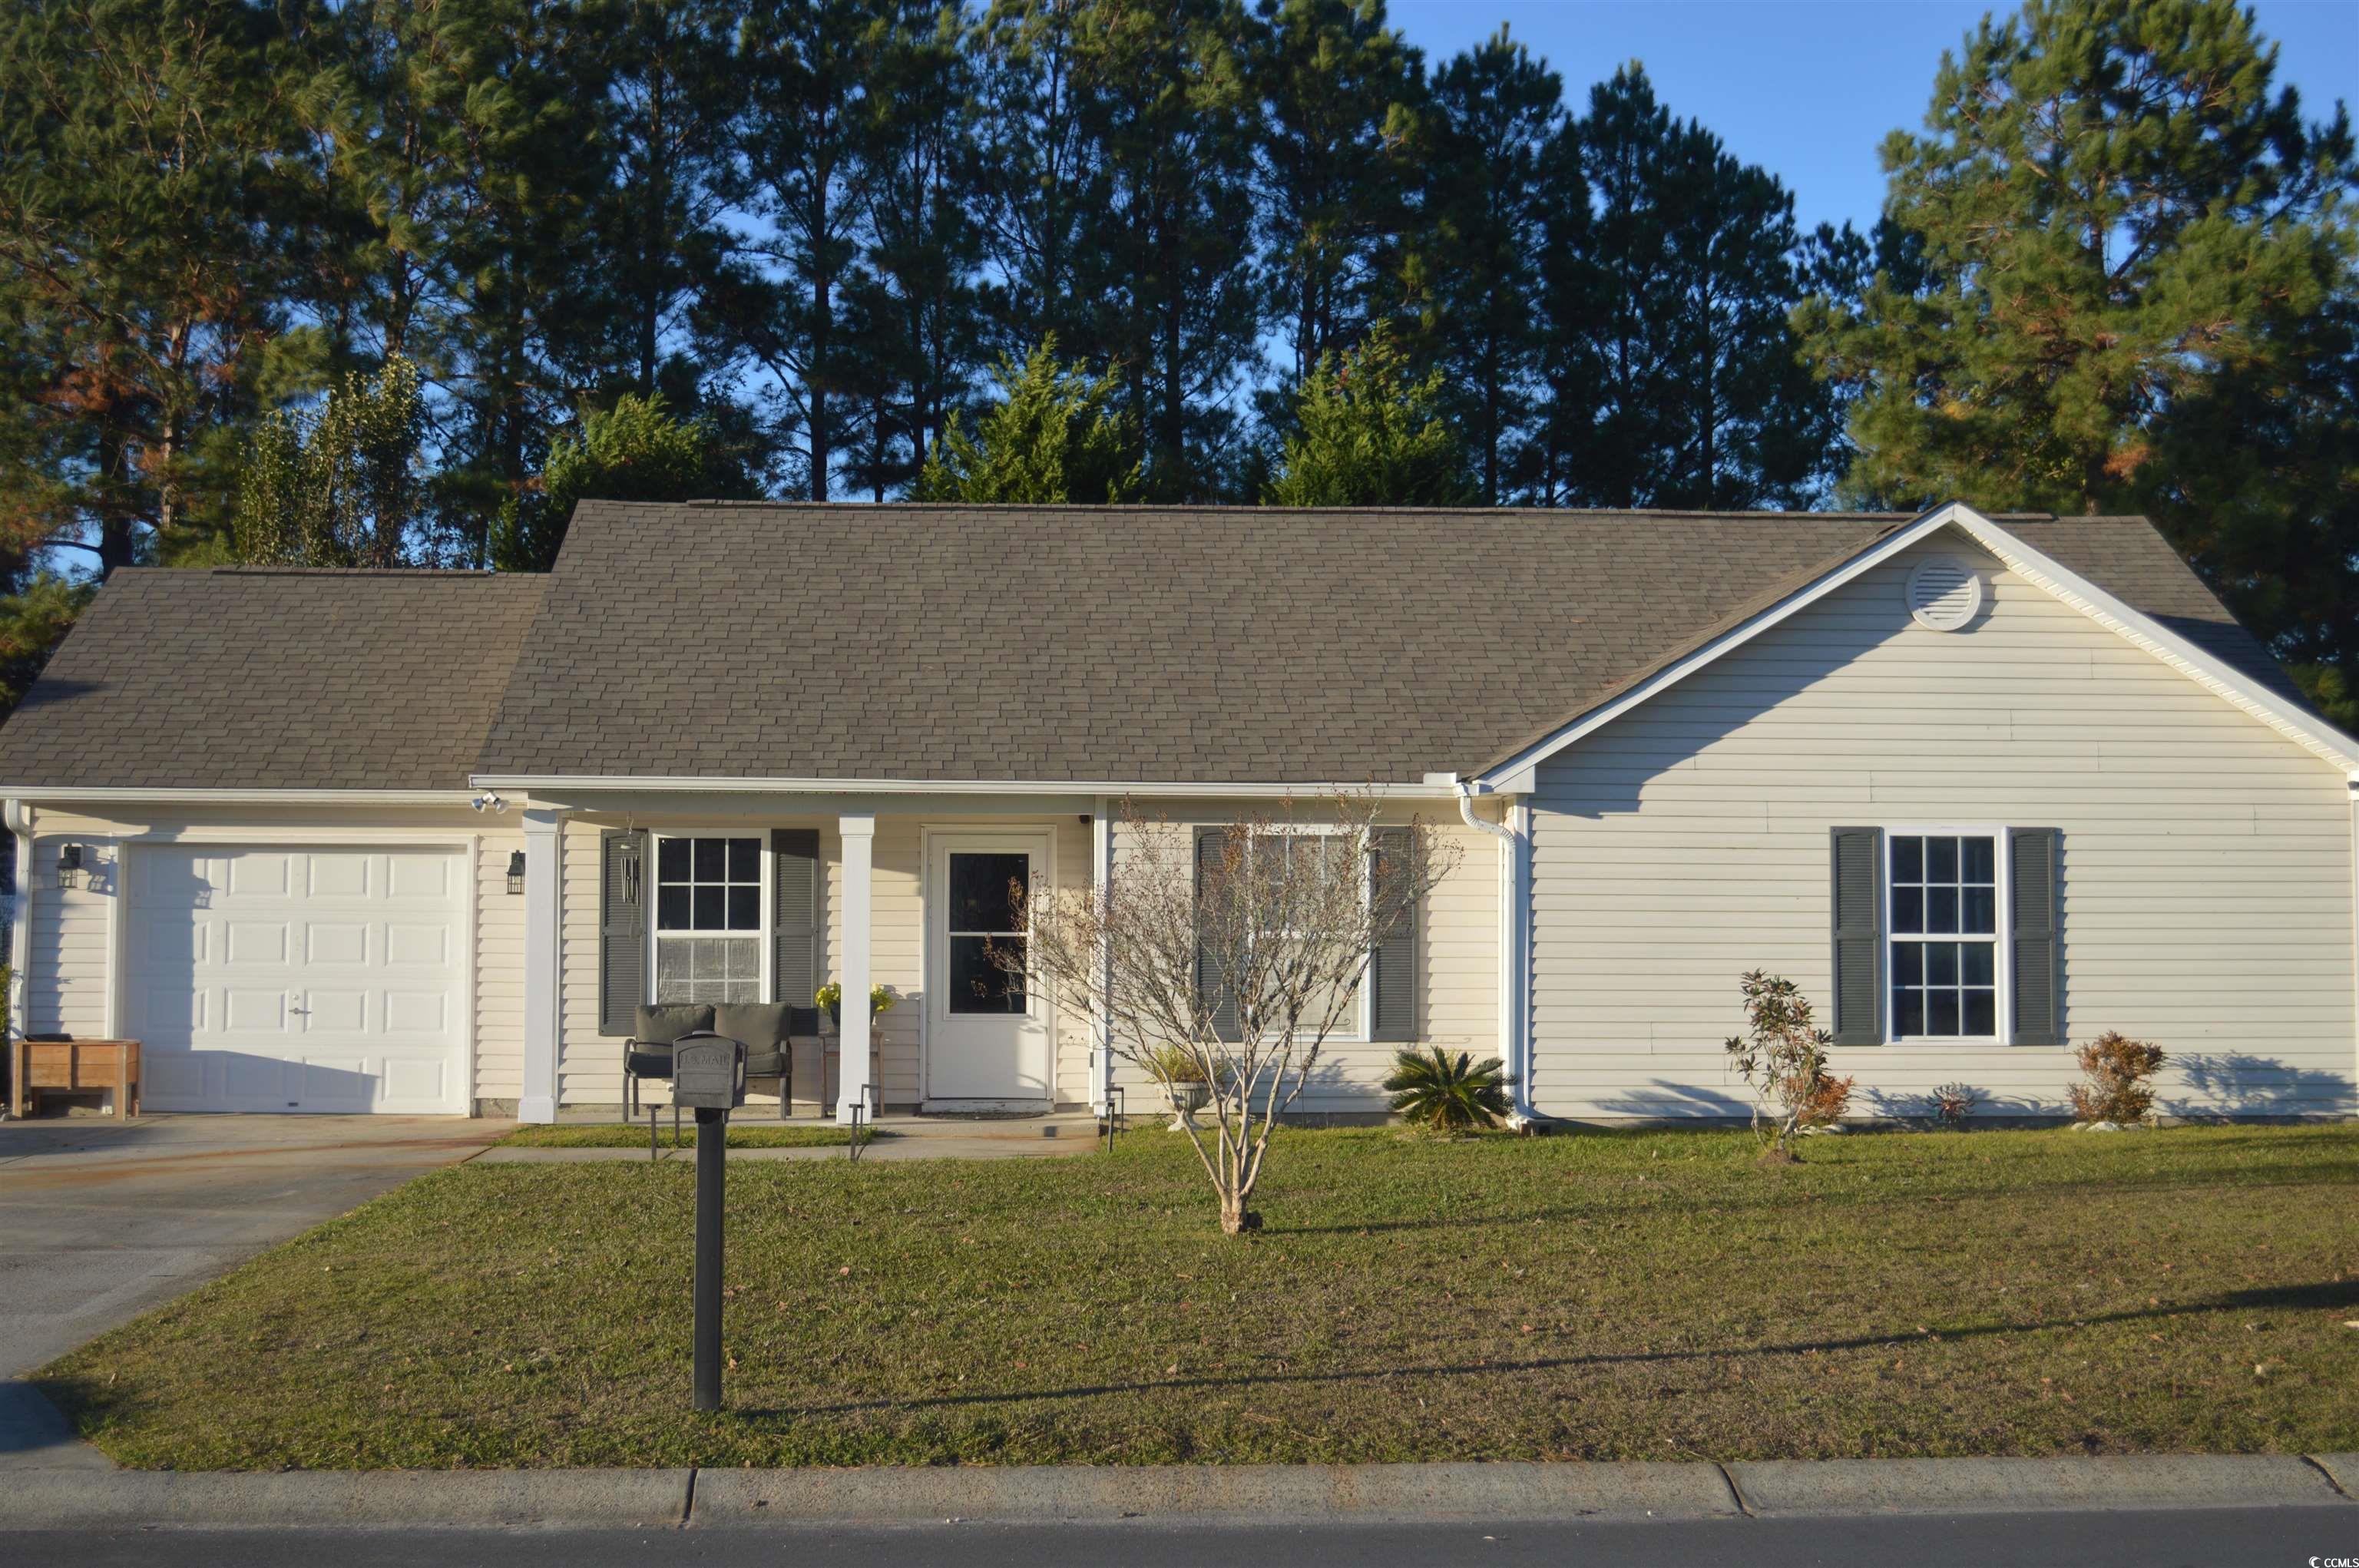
(70, 866)
(515, 871)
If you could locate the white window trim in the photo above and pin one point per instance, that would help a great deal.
(763, 893)
(1363, 1026)
(2003, 919)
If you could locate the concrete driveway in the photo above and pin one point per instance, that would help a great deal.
(101, 1220)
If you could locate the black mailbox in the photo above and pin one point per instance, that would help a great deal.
(708, 1073)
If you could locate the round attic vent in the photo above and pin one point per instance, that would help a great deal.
(1944, 594)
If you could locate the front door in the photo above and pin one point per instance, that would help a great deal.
(987, 1035)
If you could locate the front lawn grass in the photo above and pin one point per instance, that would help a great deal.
(1616, 1295)
(633, 1135)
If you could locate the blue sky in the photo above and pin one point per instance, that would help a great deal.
(1809, 88)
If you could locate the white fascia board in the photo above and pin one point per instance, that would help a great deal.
(110, 794)
(557, 784)
(1517, 774)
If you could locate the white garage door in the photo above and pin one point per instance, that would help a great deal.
(317, 979)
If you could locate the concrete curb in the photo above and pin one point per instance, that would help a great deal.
(2136, 1482)
(1205, 1492)
(726, 1499)
(83, 1500)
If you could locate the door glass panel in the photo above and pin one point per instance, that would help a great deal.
(981, 891)
(979, 985)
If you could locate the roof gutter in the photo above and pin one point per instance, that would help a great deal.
(98, 795)
(561, 783)
(1514, 862)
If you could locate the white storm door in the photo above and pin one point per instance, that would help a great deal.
(328, 978)
(986, 1035)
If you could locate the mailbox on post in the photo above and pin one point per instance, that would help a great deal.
(708, 1074)
(708, 1077)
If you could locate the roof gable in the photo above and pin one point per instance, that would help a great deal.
(2177, 619)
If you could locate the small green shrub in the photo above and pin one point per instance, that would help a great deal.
(1445, 1093)
(2116, 1090)
(1782, 1056)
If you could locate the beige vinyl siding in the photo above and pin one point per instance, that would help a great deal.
(2206, 870)
(499, 970)
(1458, 971)
(69, 970)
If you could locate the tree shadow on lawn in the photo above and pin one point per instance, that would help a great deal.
(1770, 1198)
(2336, 1295)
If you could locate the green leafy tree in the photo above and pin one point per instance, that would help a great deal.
(637, 450)
(1055, 435)
(2135, 294)
(341, 488)
(33, 621)
(1366, 434)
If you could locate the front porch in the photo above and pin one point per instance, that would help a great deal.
(635, 899)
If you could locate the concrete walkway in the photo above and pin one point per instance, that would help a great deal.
(104, 1219)
(898, 1137)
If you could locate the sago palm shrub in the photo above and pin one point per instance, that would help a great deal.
(1445, 1093)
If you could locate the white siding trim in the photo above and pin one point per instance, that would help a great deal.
(544, 840)
(16, 1008)
(855, 1046)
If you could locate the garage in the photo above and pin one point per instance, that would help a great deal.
(313, 978)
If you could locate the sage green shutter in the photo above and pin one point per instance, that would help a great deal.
(794, 925)
(622, 929)
(1212, 990)
(1858, 903)
(2034, 934)
(1392, 968)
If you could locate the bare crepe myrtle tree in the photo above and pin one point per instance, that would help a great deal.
(1242, 944)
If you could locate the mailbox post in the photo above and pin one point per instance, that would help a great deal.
(709, 1077)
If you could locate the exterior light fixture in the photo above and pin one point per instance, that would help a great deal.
(70, 866)
(515, 871)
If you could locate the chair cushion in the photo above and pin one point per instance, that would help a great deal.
(662, 1025)
(765, 1064)
(759, 1026)
(648, 1061)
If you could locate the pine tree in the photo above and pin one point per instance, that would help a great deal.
(143, 281)
(1474, 274)
(798, 169)
(1365, 434)
(1339, 92)
(1167, 105)
(1056, 435)
(1037, 175)
(2132, 245)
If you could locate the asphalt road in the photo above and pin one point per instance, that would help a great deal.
(2266, 1538)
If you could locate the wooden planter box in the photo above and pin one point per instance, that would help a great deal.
(74, 1066)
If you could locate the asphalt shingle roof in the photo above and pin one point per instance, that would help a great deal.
(1092, 644)
(1057, 644)
(266, 678)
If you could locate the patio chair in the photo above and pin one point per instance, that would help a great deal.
(647, 1054)
(763, 1028)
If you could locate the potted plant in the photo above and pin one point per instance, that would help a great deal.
(830, 999)
(1183, 1081)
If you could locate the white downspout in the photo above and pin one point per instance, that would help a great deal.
(16, 1015)
(1513, 968)
(1102, 1052)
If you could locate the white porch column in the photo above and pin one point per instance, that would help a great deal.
(1102, 1056)
(856, 1067)
(543, 843)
